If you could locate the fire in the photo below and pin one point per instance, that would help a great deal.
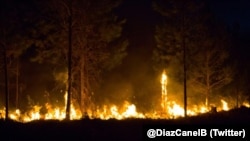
(169, 109)
(164, 91)
(246, 104)
(175, 110)
(15, 115)
(224, 105)
(127, 110)
(35, 113)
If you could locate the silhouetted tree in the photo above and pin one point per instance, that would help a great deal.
(240, 82)
(210, 69)
(13, 44)
(176, 36)
(191, 36)
(96, 43)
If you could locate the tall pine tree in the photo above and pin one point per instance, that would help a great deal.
(96, 43)
(176, 36)
(13, 43)
(188, 37)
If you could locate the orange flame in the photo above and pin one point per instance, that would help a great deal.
(170, 109)
(126, 110)
(164, 91)
(224, 105)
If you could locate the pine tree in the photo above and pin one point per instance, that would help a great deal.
(175, 37)
(190, 36)
(96, 43)
(210, 68)
(13, 44)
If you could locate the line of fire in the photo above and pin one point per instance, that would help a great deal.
(169, 109)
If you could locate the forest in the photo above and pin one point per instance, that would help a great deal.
(104, 52)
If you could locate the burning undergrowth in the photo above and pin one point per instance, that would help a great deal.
(167, 106)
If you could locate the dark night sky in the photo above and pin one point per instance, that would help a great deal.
(141, 20)
(232, 11)
(229, 11)
(236, 13)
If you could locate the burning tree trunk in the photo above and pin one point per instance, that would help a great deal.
(203, 46)
(207, 93)
(175, 37)
(164, 92)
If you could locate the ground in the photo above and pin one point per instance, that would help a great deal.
(129, 129)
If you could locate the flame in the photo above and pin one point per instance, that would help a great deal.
(35, 113)
(15, 115)
(169, 109)
(175, 110)
(127, 110)
(224, 105)
(164, 91)
(246, 104)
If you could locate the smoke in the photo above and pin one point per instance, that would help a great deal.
(114, 90)
(61, 76)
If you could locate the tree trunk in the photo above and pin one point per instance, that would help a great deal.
(69, 61)
(207, 79)
(183, 32)
(207, 99)
(17, 83)
(185, 78)
(237, 96)
(82, 87)
(6, 84)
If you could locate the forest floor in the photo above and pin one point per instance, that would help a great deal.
(128, 129)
